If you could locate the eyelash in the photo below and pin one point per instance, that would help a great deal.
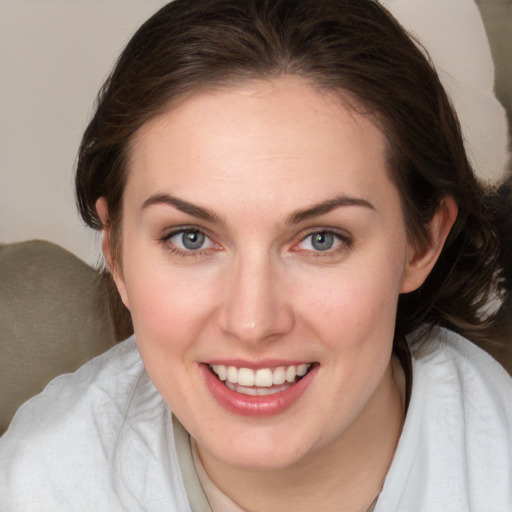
(345, 243)
(165, 240)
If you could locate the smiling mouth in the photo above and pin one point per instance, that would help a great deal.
(261, 382)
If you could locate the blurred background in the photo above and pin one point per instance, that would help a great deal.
(54, 56)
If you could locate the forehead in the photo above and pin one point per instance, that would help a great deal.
(275, 139)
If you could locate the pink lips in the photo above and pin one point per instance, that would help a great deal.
(248, 405)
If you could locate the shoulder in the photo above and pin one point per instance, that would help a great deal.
(456, 364)
(81, 444)
(466, 392)
(103, 380)
(454, 451)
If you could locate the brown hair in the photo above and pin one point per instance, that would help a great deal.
(338, 45)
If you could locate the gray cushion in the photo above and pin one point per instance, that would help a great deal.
(53, 318)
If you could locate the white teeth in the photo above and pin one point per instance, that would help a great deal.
(232, 374)
(253, 391)
(221, 371)
(291, 373)
(302, 370)
(246, 377)
(242, 389)
(262, 378)
(279, 376)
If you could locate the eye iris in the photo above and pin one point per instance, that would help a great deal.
(322, 241)
(192, 239)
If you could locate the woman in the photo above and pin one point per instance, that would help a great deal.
(284, 198)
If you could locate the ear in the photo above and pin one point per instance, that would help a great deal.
(108, 253)
(422, 259)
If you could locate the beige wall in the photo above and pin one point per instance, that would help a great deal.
(54, 55)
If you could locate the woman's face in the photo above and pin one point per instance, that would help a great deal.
(263, 242)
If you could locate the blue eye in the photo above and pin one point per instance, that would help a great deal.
(323, 241)
(190, 240)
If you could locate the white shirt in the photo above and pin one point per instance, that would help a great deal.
(103, 439)
(454, 453)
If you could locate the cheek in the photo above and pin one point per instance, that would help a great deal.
(169, 314)
(163, 304)
(354, 301)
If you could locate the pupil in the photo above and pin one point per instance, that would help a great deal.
(193, 239)
(322, 241)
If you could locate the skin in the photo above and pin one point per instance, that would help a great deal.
(253, 156)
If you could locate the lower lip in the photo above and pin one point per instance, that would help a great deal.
(248, 405)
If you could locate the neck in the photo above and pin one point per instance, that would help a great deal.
(349, 471)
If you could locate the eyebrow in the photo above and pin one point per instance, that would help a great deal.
(183, 206)
(296, 217)
(325, 207)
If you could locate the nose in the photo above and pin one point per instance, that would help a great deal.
(256, 306)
